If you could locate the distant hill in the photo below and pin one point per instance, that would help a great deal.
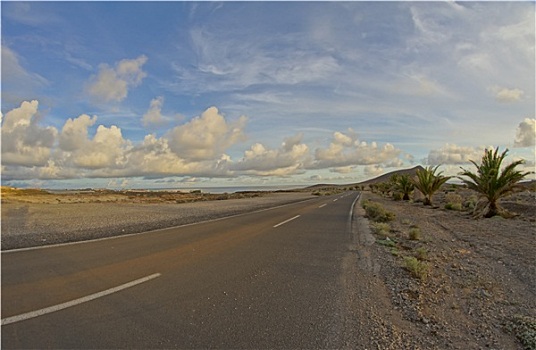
(381, 178)
(387, 176)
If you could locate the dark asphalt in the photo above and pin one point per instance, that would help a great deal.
(232, 283)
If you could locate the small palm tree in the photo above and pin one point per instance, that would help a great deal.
(428, 182)
(404, 185)
(490, 181)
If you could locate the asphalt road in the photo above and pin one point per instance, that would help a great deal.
(269, 279)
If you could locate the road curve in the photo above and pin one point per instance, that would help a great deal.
(269, 279)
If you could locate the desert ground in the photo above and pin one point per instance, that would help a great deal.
(430, 278)
(476, 286)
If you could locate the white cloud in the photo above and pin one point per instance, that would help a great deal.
(373, 170)
(507, 95)
(206, 137)
(291, 158)
(17, 82)
(24, 142)
(154, 113)
(112, 84)
(74, 134)
(453, 154)
(526, 133)
(13, 72)
(107, 149)
(347, 150)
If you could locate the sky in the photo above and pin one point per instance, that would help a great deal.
(201, 94)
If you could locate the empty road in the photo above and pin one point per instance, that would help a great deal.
(269, 279)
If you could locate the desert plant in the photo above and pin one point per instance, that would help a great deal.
(387, 242)
(376, 212)
(524, 327)
(421, 253)
(490, 181)
(417, 268)
(381, 228)
(453, 206)
(414, 233)
(428, 182)
(404, 185)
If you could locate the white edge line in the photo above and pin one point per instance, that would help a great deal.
(351, 213)
(284, 222)
(16, 250)
(54, 308)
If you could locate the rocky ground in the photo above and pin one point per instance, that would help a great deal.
(460, 283)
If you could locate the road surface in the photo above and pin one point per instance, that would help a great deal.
(269, 279)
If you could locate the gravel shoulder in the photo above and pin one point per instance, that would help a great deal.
(33, 223)
(478, 290)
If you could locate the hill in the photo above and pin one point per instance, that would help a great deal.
(387, 176)
(382, 178)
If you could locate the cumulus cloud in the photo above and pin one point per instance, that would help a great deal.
(24, 142)
(453, 154)
(74, 134)
(291, 158)
(526, 133)
(154, 157)
(112, 84)
(346, 150)
(506, 95)
(107, 148)
(196, 148)
(154, 113)
(206, 136)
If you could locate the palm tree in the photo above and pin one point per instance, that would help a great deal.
(404, 185)
(490, 181)
(428, 182)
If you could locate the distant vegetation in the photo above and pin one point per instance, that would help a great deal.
(489, 182)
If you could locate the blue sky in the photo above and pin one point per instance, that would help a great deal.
(178, 94)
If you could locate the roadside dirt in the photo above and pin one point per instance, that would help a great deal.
(478, 286)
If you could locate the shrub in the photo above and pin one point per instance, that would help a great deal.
(453, 206)
(398, 196)
(381, 228)
(376, 212)
(418, 269)
(414, 233)
(421, 254)
(524, 327)
(386, 242)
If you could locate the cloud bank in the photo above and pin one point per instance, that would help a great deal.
(197, 148)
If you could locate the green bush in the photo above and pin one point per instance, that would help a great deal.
(377, 213)
(418, 269)
(414, 233)
(524, 327)
(421, 254)
(453, 206)
(381, 228)
(386, 242)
